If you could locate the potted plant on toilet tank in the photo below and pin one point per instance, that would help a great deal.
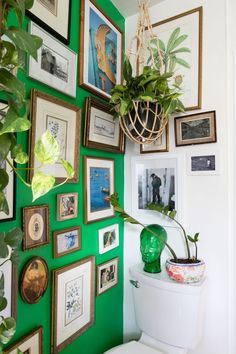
(183, 270)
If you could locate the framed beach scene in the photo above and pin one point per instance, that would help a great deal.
(101, 45)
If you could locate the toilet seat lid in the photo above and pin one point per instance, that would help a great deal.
(133, 348)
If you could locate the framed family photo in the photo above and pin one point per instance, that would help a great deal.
(108, 238)
(101, 131)
(199, 128)
(99, 185)
(101, 46)
(67, 206)
(203, 164)
(107, 275)
(62, 120)
(54, 16)
(159, 145)
(190, 24)
(36, 226)
(30, 344)
(34, 280)
(66, 241)
(73, 302)
(56, 65)
(9, 272)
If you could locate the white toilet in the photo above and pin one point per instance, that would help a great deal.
(169, 314)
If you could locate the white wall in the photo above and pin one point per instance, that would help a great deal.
(207, 201)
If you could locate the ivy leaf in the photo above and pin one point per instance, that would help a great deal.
(7, 329)
(5, 145)
(3, 303)
(4, 250)
(19, 6)
(14, 237)
(68, 167)
(15, 257)
(19, 155)
(41, 184)
(13, 123)
(4, 204)
(29, 4)
(11, 84)
(47, 150)
(4, 179)
(127, 71)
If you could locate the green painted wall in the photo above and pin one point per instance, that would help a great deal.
(107, 330)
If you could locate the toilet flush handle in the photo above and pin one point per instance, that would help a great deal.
(135, 283)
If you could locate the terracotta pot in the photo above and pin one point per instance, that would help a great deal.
(185, 272)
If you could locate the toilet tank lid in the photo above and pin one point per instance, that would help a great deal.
(133, 348)
(162, 281)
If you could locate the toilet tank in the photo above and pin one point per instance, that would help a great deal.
(168, 311)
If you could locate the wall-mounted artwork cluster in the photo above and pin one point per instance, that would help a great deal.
(74, 283)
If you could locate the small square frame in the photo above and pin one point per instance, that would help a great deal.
(107, 275)
(74, 244)
(108, 238)
(72, 213)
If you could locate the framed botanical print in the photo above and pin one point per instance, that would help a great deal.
(62, 120)
(67, 206)
(34, 280)
(36, 226)
(107, 275)
(66, 241)
(101, 45)
(108, 238)
(54, 16)
(72, 302)
(56, 65)
(198, 128)
(30, 344)
(159, 145)
(99, 185)
(9, 272)
(101, 131)
(190, 25)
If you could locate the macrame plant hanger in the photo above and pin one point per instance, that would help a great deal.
(147, 127)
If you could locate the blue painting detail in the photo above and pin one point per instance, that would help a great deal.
(70, 240)
(102, 66)
(99, 188)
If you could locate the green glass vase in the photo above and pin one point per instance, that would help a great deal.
(151, 247)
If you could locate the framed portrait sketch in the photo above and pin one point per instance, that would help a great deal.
(155, 180)
(99, 185)
(9, 272)
(199, 128)
(34, 280)
(10, 190)
(54, 16)
(101, 45)
(30, 344)
(101, 131)
(62, 120)
(190, 24)
(107, 275)
(159, 145)
(66, 241)
(36, 226)
(67, 206)
(72, 302)
(108, 238)
(56, 65)
(203, 164)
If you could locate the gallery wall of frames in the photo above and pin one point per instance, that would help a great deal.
(69, 296)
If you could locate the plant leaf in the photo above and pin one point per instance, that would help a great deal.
(14, 237)
(68, 167)
(4, 204)
(46, 149)
(11, 84)
(183, 63)
(174, 35)
(3, 303)
(127, 71)
(41, 184)
(4, 179)
(13, 123)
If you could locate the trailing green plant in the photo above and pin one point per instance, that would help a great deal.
(153, 85)
(165, 211)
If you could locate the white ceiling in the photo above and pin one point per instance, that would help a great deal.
(130, 7)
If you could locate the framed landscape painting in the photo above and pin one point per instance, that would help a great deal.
(54, 16)
(99, 185)
(190, 24)
(72, 302)
(101, 131)
(66, 241)
(56, 65)
(101, 45)
(30, 344)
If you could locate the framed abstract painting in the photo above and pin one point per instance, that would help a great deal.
(66, 241)
(99, 185)
(101, 45)
(72, 302)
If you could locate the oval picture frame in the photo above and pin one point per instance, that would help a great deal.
(34, 280)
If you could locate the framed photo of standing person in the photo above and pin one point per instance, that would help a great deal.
(99, 185)
(101, 45)
(199, 128)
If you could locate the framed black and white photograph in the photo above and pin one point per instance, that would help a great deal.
(199, 128)
(101, 131)
(107, 275)
(159, 145)
(54, 16)
(155, 180)
(56, 65)
(108, 238)
(203, 164)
